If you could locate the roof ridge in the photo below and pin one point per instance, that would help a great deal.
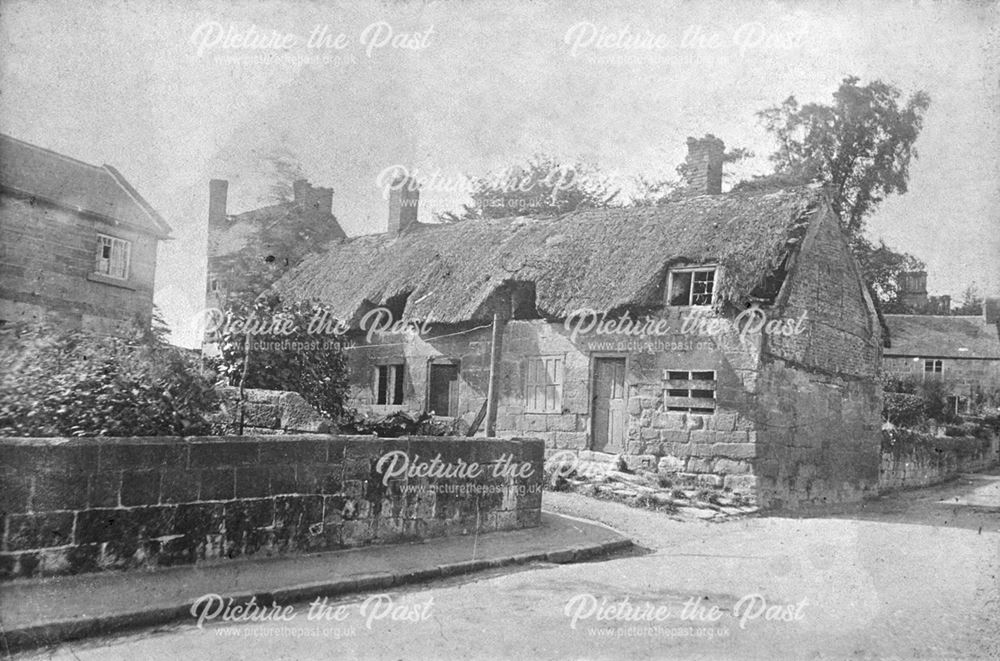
(52, 152)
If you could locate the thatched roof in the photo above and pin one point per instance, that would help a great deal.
(601, 259)
(929, 336)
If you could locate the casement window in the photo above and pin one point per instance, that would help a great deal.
(690, 391)
(113, 256)
(691, 286)
(543, 384)
(932, 366)
(389, 384)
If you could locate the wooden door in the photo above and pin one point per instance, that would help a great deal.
(443, 395)
(608, 422)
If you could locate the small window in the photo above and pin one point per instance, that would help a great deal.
(932, 366)
(689, 391)
(543, 384)
(389, 384)
(691, 286)
(113, 257)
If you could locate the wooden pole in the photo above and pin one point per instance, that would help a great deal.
(492, 394)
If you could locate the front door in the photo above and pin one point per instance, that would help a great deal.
(608, 405)
(443, 392)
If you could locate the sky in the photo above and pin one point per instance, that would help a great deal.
(176, 93)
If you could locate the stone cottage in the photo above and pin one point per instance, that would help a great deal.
(79, 242)
(631, 331)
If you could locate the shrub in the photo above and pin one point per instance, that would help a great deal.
(310, 364)
(400, 423)
(903, 410)
(71, 383)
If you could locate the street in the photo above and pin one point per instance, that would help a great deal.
(913, 575)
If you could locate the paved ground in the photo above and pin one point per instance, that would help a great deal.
(915, 575)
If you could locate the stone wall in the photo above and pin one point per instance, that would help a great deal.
(910, 460)
(83, 505)
(47, 264)
(271, 412)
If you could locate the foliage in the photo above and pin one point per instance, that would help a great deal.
(899, 403)
(305, 362)
(903, 409)
(972, 302)
(881, 268)
(860, 147)
(544, 185)
(399, 423)
(71, 383)
(905, 442)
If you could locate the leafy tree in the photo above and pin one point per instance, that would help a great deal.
(309, 363)
(881, 266)
(972, 302)
(543, 186)
(860, 147)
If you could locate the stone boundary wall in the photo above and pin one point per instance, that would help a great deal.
(83, 505)
(271, 412)
(931, 460)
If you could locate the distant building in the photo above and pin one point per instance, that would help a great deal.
(913, 295)
(961, 351)
(78, 242)
(249, 251)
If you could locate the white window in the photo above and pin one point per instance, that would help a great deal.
(690, 391)
(691, 286)
(932, 366)
(113, 256)
(543, 384)
(389, 384)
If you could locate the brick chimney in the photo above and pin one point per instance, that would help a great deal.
(218, 192)
(404, 197)
(316, 200)
(913, 289)
(991, 309)
(702, 170)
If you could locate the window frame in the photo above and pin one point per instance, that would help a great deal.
(690, 378)
(936, 367)
(107, 241)
(395, 374)
(533, 386)
(704, 268)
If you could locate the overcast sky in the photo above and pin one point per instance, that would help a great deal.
(170, 94)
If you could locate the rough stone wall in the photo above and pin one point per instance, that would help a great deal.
(46, 269)
(271, 412)
(963, 377)
(935, 460)
(818, 403)
(83, 505)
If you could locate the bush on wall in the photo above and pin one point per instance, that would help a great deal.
(71, 383)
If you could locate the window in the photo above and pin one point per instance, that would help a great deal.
(543, 384)
(112, 257)
(932, 367)
(694, 286)
(442, 394)
(690, 391)
(389, 384)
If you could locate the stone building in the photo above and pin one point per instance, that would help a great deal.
(963, 352)
(249, 251)
(630, 331)
(78, 242)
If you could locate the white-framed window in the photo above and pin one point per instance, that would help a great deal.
(543, 384)
(692, 391)
(691, 285)
(933, 366)
(389, 384)
(113, 257)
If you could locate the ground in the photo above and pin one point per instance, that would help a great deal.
(913, 575)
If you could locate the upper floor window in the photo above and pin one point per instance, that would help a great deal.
(933, 366)
(543, 384)
(113, 257)
(389, 384)
(691, 286)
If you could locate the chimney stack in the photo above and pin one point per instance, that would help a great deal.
(315, 200)
(991, 309)
(702, 170)
(913, 290)
(218, 191)
(404, 197)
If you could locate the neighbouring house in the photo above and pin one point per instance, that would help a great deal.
(78, 242)
(249, 251)
(629, 331)
(963, 352)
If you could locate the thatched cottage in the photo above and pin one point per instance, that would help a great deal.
(631, 331)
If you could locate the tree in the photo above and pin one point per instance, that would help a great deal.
(881, 267)
(972, 302)
(860, 147)
(280, 167)
(544, 185)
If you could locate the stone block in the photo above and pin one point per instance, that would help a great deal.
(698, 465)
(724, 421)
(34, 531)
(709, 480)
(745, 484)
(140, 487)
(62, 490)
(296, 414)
(636, 461)
(213, 454)
(734, 450)
(702, 437)
(676, 420)
(634, 406)
(731, 467)
(570, 439)
(678, 436)
(670, 464)
(217, 484)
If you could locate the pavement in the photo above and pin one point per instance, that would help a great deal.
(47, 611)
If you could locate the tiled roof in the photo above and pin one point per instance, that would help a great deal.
(942, 337)
(600, 259)
(76, 185)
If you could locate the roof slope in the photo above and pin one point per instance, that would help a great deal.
(600, 259)
(76, 185)
(942, 337)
